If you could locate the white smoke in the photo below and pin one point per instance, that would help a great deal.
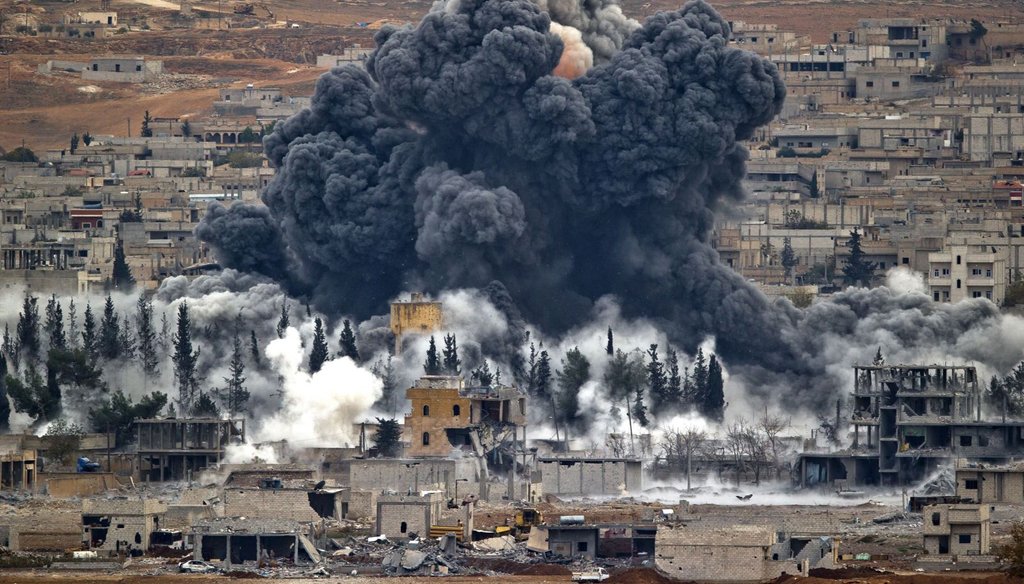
(903, 280)
(318, 409)
(248, 452)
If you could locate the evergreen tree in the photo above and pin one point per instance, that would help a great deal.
(388, 438)
(656, 381)
(452, 364)
(385, 371)
(70, 373)
(788, 258)
(147, 131)
(318, 354)
(109, 343)
(90, 341)
(574, 373)
(126, 339)
(482, 375)
(610, 347)
(700, 380)
(674, 392)
(122, 274)
(185, 361)
(283, 322)
(186, 129)
(9, 347)
(857, 269)
(33, 395)
(432, 366)
(639, 409)
(72, 335)
(146, 336)
(28, 329)
(87, 138)
(714, 402)
(254, 349)
(235, 396)
(814, 190)
(543, 382)
(879, 359)
(164, 336)
(625, 377)
(74, 142)
(118, 415)
(531, 372)
(205, 407)
(54, 324)
(347, 342)
(5, 406)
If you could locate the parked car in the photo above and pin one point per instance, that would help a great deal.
(596, 575)
(196, 567)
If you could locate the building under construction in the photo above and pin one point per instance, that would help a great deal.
(906, 421)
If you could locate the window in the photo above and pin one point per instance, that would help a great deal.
(120, 525)
(404, 527)
(988, 272)
(965, 538)
(971, 484)
(870, 84)
(935, 296)
(456, 410)
(895, 83)
(936, 518)
(945, 271)
(965, 441)
(936, 272)
(426, 411)
(581, 546)
(426, 438)
(117, 67)
(95, 67)
(976, 294)
(988, 294)
(906, 261)
(975, 271)
(958, 260)
(138, 67)
(958, 284)
(899, 54)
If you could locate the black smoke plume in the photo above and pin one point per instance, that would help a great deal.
(456, 159)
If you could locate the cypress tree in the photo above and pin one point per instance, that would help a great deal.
(432, 366)
(544, 376)
(674, 393)
(72, 334)
(452, 364)
(318, 354)
(90, 341)
(610, 347)
(656, 380)
(347, 342)
(185, 361)
(284, 321)
(28, 328)
(5, 407)
(236, 396)
(254, 349)
(109, 343)
(54, 324)
(122, 273)
(146, 336)
(714, 403)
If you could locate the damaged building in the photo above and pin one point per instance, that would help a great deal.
(176, 449)
(18, 470)
(907, 421)
(732, 553)
(235, 541)
(590, 476)
(958, 530)
(590, 542)
(487, 423)
(120, 525)
(978, 483)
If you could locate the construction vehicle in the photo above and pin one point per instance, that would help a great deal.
(249, 9)
(525, 519)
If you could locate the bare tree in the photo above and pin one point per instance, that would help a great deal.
(772, 427)
(680, 446)
(748, 447)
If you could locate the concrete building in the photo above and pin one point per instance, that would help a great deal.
(353, 54)
(175, 449)
(106, 18)
(281, 503)
(905, 38)
(234, 541)
(593, 541)
(590, 476)
(18, 470)
(766, 39)
(120, 525)
(958, 530)
(988, 485)
(400, 515)
(124, 69)
(906, 421)
(414, 316)
(738, 553)
(967, 271)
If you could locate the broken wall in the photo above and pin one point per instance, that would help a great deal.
(269, 504)
(590, 477)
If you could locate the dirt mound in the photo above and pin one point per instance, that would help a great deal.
(544, 570)
(844, 573)
(640, 576)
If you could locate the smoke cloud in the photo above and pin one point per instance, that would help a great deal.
(479, 150)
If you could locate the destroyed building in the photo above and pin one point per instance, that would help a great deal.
(592, 541)
(487, 423)
(590, 476)
(120, 525)
(716, 552)
(959, 530)
(414, 316)
(908, 420)
(18, 470)
(234, 541)
(401, 516)
(177, 449)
